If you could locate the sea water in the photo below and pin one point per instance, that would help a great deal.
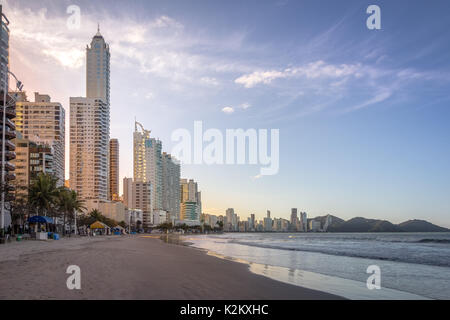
(412, 265)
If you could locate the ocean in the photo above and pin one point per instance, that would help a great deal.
(412, 265)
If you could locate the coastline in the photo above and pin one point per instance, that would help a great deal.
(135, 267)
(289, 273)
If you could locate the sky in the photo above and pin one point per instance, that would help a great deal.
(362, 114)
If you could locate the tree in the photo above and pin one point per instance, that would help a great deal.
(69, 204)
(165, 226)
(43, 194)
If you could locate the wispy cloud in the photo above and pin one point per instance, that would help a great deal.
(228, 110)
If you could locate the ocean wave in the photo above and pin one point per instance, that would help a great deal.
(433, 241)
(359, 254)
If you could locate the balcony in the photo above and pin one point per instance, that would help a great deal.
(9, 166)
(8, 144)
(9, 177)
(10, 134)
(9, 123)
(10, 155)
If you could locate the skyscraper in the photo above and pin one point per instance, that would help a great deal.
(43, 122)
(147, 166)
(142, 199)
(114, 170)
(128, 192)
(303, 221)
(4, 49)
(294, 219)
(190, 194)
(171, 186)
(89, 126)
(7, 191)
(98, 69)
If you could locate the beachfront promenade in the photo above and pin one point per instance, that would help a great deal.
(131, 267)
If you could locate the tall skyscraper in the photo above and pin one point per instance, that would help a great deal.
(114, 170)
(4, 49)
(303, 221)
(294, 219)
(98, 69)
(89, 126)
(43, 122)
(10, 114)
(148, 162)
(171, 186)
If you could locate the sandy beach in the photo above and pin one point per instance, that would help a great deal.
(132, 267)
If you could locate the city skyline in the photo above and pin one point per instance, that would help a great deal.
(360, 133)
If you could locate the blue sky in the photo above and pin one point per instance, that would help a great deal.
(363, 114)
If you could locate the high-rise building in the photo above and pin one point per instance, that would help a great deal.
(89, 147)
(114, 170)
(171, 186)
(294, 219)
(303, 221)
(252, 222)
(268, 213)
(43, 122)
(189, 193)
(128, 192)
(230, 220)
(142, 194)
(98, 69)
(89, 126)
(8, 188)
(147, 166)
(189, 211)
(31, 160)
(4, 50)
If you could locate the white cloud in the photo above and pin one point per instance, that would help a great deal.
(313, 70)
(228, 110)
(245, 105)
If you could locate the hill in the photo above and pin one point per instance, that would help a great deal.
(360, 224)
(421, 226)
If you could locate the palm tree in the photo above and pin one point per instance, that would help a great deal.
(69, 204)
(43, 193)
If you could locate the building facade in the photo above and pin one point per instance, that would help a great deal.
(43, 122)
(147, 162)
(89, 147)
(189, 194)
(114, 170)
(171, 186)
(98, 69)
(89, 126)
(142, 194)
(128, 192)
(7, 189)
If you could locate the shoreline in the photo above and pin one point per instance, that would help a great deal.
(331, 284)
(135, 267)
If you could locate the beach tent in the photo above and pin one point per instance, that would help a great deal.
(99, 225)
(119, 229)
(40, 219)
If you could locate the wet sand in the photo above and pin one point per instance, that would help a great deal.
(132, 267)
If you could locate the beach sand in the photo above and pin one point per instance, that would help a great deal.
(132, 267)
